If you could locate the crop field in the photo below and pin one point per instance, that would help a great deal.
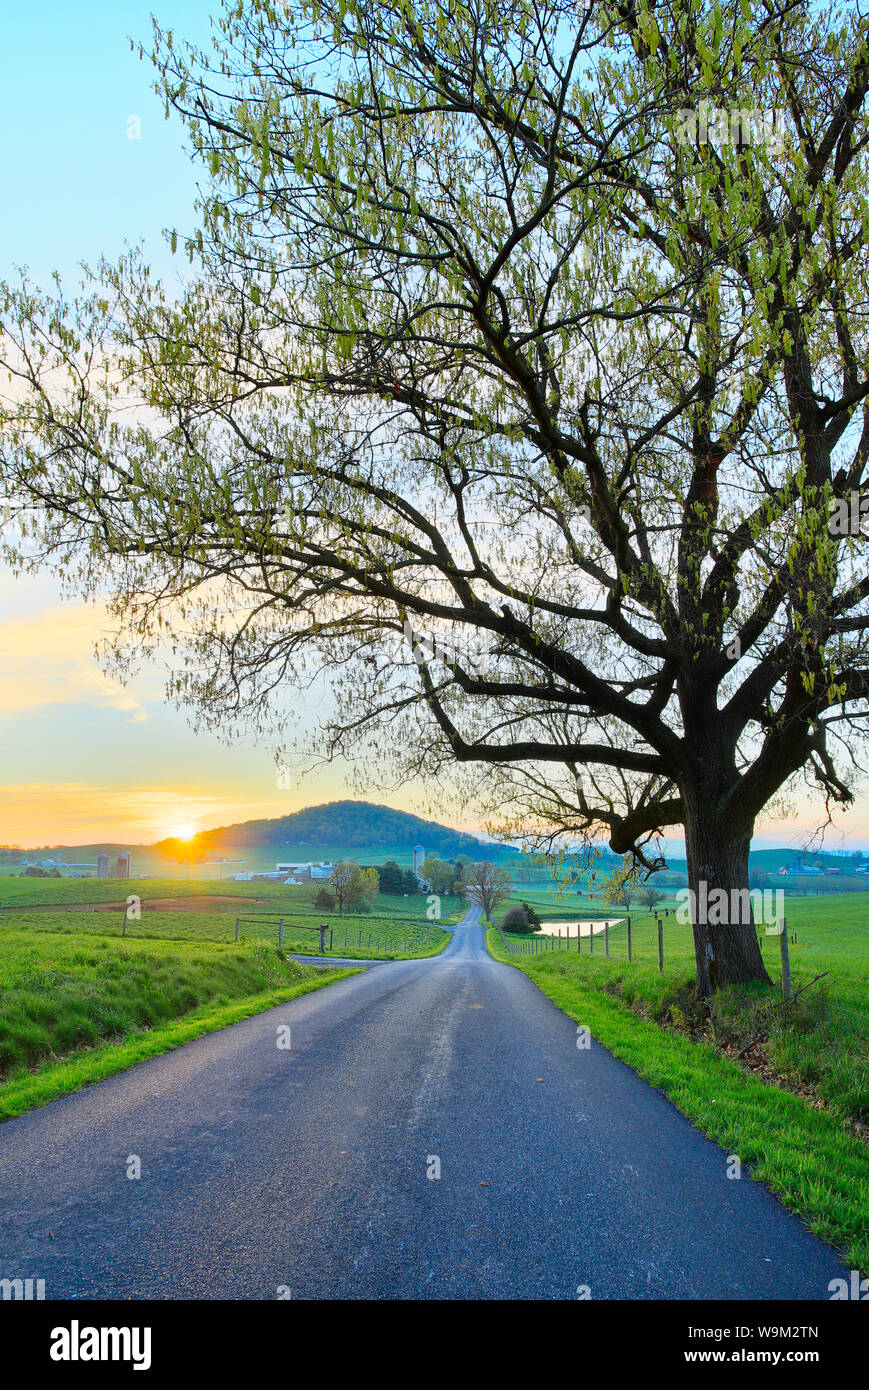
(23, 893)
(82, 993)
(367, 938)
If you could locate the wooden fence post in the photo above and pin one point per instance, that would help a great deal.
(236, 928)
(606, 938)
(785, 959)
(660, 945)
(629, 938)
(281, 934)
(591, 939)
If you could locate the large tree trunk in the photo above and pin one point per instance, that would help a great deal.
(726, 952)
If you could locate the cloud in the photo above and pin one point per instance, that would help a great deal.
(47, 659)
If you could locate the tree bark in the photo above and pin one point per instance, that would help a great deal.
(727, 951)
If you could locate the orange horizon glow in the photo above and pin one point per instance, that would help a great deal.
(88, 761)
(183, 832)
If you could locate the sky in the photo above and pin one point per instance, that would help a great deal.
(87, 164)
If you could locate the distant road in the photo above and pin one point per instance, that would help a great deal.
(306, 1170)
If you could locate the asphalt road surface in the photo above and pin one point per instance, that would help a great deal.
(310, 1171)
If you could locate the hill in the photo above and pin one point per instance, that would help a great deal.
(354, 825)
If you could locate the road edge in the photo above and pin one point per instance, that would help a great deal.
(99, 1063)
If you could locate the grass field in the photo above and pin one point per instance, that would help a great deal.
(75, 1008)
(796, 1106)
(78, 1002)
(20, 893)
(389, 938)
(552, 905)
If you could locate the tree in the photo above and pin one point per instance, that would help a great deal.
(621, 891)
(324, 900)
(439, 875)
(549, 268)
(463, 863)
(343, 876)
(392, 878)
(411, 883)
(650, 896)
(362, 889)
(487, 884)
(533, 916)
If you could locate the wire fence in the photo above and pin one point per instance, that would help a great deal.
(541, 944)
(327, 939)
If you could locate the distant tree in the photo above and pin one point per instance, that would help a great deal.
(758, 878)
(392, 878)
(362, 889)
(324, 899)
(650, 896)
(342, 876)
(411, 882)
(621, 890)
(439, 875)
(463, 864)
(487, 884)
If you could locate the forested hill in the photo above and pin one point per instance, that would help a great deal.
(353, 825)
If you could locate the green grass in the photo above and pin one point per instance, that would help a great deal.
(823, 1045)
(17, 892)
(75, 1008)
(55, 1079)
(793, 1121)
(391, 939)
(569, 905)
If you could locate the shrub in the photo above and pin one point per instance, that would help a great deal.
(516, 920)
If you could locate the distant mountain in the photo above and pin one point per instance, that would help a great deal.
(352, 825)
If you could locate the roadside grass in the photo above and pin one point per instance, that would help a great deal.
(389, 939)
(75, 1009)
(55, 1079)
(821, 1046)
(791, 1108)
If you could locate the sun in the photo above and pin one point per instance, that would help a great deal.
(184, 832)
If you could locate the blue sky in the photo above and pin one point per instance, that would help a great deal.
(83, 759)
(75, 185)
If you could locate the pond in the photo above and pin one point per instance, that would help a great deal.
(585, 928)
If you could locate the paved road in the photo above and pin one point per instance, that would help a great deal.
(306, 1169)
